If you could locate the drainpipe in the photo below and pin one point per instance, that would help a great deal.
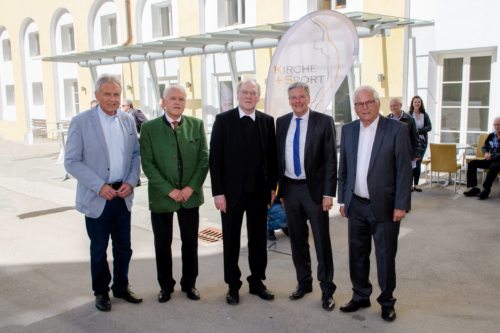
(129, 23)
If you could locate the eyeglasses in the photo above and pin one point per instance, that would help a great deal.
(124, 105)
(248, 93)
(368, 104)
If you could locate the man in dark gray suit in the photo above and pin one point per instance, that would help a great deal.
(307, 173)
(374, 194)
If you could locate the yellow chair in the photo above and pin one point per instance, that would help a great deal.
(444, 159)
(479, 153)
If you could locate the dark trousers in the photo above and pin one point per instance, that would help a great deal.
(493, 166)
(115, 222)
(418, 168)
(255, 207)
(362, 227)
(189, 220)
(299, 208)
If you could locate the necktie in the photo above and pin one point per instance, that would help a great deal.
(175, 124)
(296, 151)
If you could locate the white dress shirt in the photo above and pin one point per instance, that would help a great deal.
(365, 145)
(289, 171)
(115, 141)
(170, 120)
(242, 114)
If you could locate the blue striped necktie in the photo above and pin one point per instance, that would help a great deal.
(296, 150)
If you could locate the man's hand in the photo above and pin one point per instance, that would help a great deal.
(327, 203)
(342, 211)
(398, 215)
(487, 156)
(220, 202)
(124, 191)
(187, 192)
(107, 192)
(176, 195)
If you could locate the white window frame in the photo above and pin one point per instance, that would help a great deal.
(225, 18)
(109, 32)
(464, 107)
(34, 44)
(162, 25)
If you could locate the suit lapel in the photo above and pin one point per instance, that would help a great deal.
(377, 142)
(99, 134)
(311, 130)
(355, 142)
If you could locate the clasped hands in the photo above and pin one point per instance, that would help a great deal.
(182, 195)
(108, 193)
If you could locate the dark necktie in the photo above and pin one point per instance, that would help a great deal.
(296, 150)
(175, 124)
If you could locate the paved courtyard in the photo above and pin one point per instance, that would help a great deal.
(448, 266)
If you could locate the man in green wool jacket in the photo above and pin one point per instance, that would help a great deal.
(174, 157)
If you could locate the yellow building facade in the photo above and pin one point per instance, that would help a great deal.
(39, 97)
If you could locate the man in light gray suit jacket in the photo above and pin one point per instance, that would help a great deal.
(102, 153)
(374, 194)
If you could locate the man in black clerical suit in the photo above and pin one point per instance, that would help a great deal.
(374, 194)
(307, 173)
(243, 174)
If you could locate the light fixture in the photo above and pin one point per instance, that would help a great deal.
(380, 77)
(189, 84)
(83, 89)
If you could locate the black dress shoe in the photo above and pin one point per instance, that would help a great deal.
(300, 292)
(353, 305)
(192, 293)
(102, 302)
(483, 195)
(328, 302)
(232, 297)
(262, 292)
(164, 296)
(388, 313)
(271, 235)
(472, 192)
(128, 295)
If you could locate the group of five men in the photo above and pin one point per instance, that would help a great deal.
(248, 159)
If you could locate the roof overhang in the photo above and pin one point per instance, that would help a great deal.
(265, 36)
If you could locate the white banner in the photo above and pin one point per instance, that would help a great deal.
(319, 50)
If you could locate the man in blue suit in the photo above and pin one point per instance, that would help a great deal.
(307, 174)
(374, 194)
(102, 153)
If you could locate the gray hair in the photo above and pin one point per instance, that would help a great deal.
(396, 99)
(252, 81)
(129, 102)
(106, 78)
(174, 86)
(299, 85)
(369, 89)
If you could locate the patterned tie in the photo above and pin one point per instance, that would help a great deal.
(296, 150)
(175, 123)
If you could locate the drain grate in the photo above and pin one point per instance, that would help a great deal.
(210, 235)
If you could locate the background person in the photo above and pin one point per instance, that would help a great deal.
(424, 126)
(175, 160)
(137, 114)
(243, 174)
(102, 153)
(374, 194)
(491, 161)
(307, 173)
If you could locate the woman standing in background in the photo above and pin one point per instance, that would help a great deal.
(423, 122)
